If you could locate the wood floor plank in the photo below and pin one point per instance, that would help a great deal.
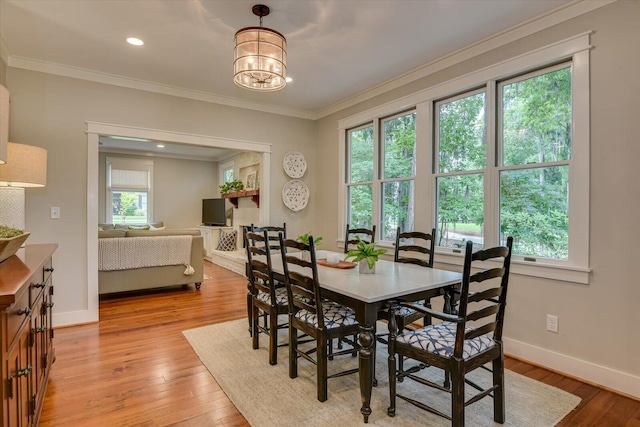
(135, 368)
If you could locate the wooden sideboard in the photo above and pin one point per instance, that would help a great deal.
(26, 333)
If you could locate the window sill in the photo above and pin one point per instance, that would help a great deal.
(518, 266)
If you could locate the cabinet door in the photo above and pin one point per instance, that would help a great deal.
(18, 404)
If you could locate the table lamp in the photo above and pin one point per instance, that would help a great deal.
(26, 167)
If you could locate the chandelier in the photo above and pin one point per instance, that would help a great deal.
(260, 56)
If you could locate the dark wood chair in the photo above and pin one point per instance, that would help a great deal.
(320, 319)
(366, 235)
(267, 300)
(272, 233)
(461, 342)
(407, 244)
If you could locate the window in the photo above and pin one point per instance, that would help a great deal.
(360, 178)
(398, 173)
(129, 190)
(226, 172)
(503, 151)
(389, 194)
(461, 162)
(535, 122)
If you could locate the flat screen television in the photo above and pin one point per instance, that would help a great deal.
(213, 212)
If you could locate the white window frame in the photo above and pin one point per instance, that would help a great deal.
(223, 167)
(575, 50)
(131, 164)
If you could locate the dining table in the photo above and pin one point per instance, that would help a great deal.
(366, 294)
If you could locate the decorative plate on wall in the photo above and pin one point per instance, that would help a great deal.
(294, 164)
(295, 195)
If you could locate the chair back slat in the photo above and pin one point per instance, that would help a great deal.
(272, 233)
(260, 273)
(481, 276)
(491, 315)
(366, 235)
(487, 294)
(483, 312)
(479, 331)
(426, 247)
(301, 278)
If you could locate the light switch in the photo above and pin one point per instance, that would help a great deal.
(55, 213)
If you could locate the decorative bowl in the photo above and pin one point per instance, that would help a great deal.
(9, 246)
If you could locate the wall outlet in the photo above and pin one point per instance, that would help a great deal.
(552, 323)
(55, 213)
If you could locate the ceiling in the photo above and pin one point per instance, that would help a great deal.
(337, 49)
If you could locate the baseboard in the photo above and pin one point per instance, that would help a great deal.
(73, 318)
(602, 376)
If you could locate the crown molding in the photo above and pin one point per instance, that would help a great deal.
(524, 29)
(115, 80)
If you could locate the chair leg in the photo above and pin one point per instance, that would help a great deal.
(391, 410)
(498, 393)
(457, 399)
(293, 350)
(322, 368)
(255, 319)
(273, 337)
(250, 312)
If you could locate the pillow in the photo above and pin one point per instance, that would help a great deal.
(152, 228)
(111, 233)
(139, 227)
(100, 228)
(227, 241)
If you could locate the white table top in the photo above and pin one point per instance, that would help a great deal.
(390, 280)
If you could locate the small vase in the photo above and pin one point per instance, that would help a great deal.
(306, 255)
(364, 267)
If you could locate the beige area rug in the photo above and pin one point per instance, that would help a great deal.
(266, 396)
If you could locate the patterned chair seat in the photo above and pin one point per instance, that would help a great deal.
(441, 338)
(281, 297)
(335, 315)
(405, 311)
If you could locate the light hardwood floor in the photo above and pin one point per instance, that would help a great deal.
(135, 368)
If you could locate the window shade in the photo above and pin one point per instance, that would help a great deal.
(129, 174)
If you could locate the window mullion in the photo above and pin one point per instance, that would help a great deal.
(376, 190)
(492, 174)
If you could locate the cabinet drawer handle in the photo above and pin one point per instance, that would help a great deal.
(38, 285)
(26, 311)
(49, 269)
(24, 372)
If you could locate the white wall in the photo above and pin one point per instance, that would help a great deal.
(51, 112)
(598, 322)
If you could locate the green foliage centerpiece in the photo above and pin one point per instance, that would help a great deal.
(365, 252)
(10, 241)
(304, 238)
(228, 187)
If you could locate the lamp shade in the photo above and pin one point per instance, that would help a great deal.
(260, 59)
(4, 123)
(26, 166)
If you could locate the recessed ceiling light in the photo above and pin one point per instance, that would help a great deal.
(160, 145)
(135, 41)
(288, 79)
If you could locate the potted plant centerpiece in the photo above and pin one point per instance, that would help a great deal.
(10, 241)
(304, 238)
(366, 255)
(231, 186)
